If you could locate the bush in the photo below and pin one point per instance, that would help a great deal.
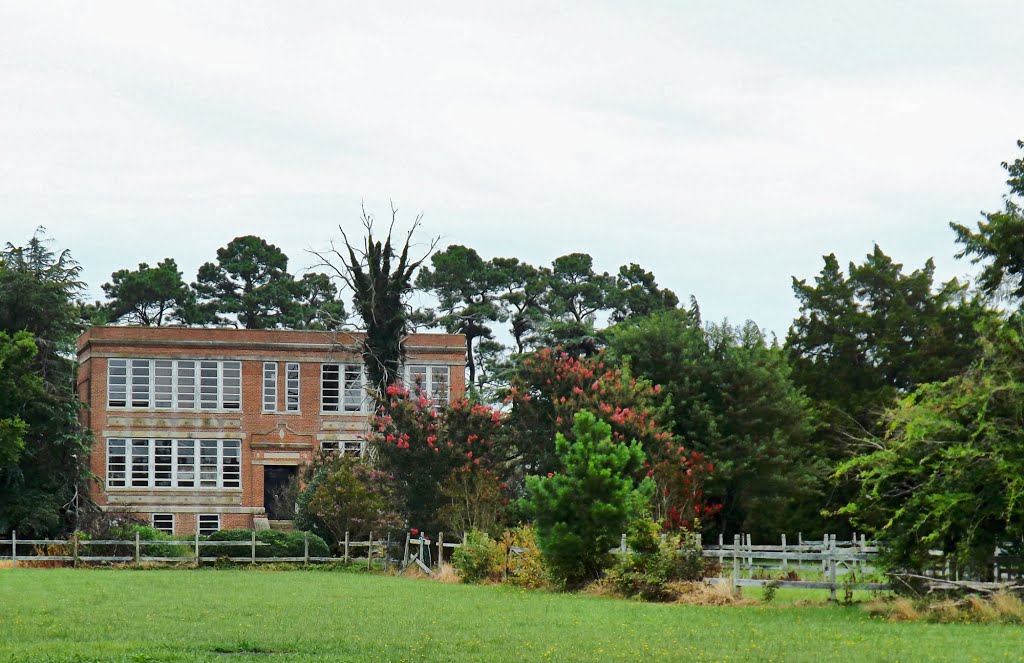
(479, 558)
(280, 544)
(127, 532)
(525, 567)
(653, 565)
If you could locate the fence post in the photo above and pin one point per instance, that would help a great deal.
(824, 560)
(74, 550)
(736, 564)
(387, 552)
(405, 554)
(785, 562)
(136, 547)
(440, 549)
(253, 551)
(14, 549)
(346, 547)
(622, 545)
(832, 569)
(750, 555)
(198, 560)
(721, 552)
(305, 548)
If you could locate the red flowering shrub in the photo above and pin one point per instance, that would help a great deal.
(550, 386)
(432, 452)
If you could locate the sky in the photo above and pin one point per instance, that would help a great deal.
(724, 146)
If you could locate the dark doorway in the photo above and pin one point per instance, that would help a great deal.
(280, 488)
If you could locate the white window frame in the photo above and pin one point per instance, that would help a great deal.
(343, 447)
(430, 385)
(184, 468)
(344, 389)
(270, 386)
(292, 387)
(166, 529)
(174, 384)
(206, 530)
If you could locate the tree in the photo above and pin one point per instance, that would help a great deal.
(249, 281)
(581, 511)
(315, 304)
(999, 240)
(19, 387)
(576, 293)
(380, 277)
(948, 473)
(41, 493)
(466, 288)
(147, 296)
(522, 288)
(734, 404)
(636, 294)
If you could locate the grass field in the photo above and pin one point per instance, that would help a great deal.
(243, 615)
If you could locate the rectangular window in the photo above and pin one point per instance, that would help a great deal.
(343, 447)
(140, 382)
(270, 386)
(117, 383)
(342, 388)
(116, 463)
(329, 388)
(430, 381)
(354, 393)
(164, 522)
(291, 387)
(209, 523)
(169, 384)
(172, 463)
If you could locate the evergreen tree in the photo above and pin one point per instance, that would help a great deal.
(147, 296)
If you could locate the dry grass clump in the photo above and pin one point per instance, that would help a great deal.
(6, 564)
(1001, 608)
(699, 593)
(446, 574)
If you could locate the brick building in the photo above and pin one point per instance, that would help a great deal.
(205, 427)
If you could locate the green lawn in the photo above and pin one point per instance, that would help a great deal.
(243, 615)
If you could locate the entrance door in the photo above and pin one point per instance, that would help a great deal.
(279, 491)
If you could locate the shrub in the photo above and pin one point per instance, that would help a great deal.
(580, 512)
(345, 494)
(525, 563)
(280, 544)
(479, 558)
(654, 566)
(127, 532)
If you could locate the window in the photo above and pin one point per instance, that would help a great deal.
(164, 522)
(209, 523)
(430, 381)
(171, 463)
(270, 386)
(291, 388)
(343, 447)
(342, 388)
(171, 384)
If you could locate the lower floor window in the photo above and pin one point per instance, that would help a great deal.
(209, 523)
(344, 447)
(173, 463)
(164, 522)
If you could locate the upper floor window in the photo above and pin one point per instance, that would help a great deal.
(430, 381)
(270, 386)
(291, 387)
(174, 384)
(343, 388)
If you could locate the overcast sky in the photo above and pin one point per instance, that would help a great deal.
(726, 146)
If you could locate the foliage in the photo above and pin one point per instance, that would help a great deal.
(42, 493)
(127, 531)
(346, 494)
(479, 558)
(636, 295)
(576, 293)
(147, 296)
(734, 411)
(427, 448)
(998, 241)
(380, 276)
(249, 281)
(522, 288)
(652, 562)
(20, 385)
(949, 473)
(580, 511)
(467, 290)
(475, 499)
(279, 544)
(315, 304)
(525, 560)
